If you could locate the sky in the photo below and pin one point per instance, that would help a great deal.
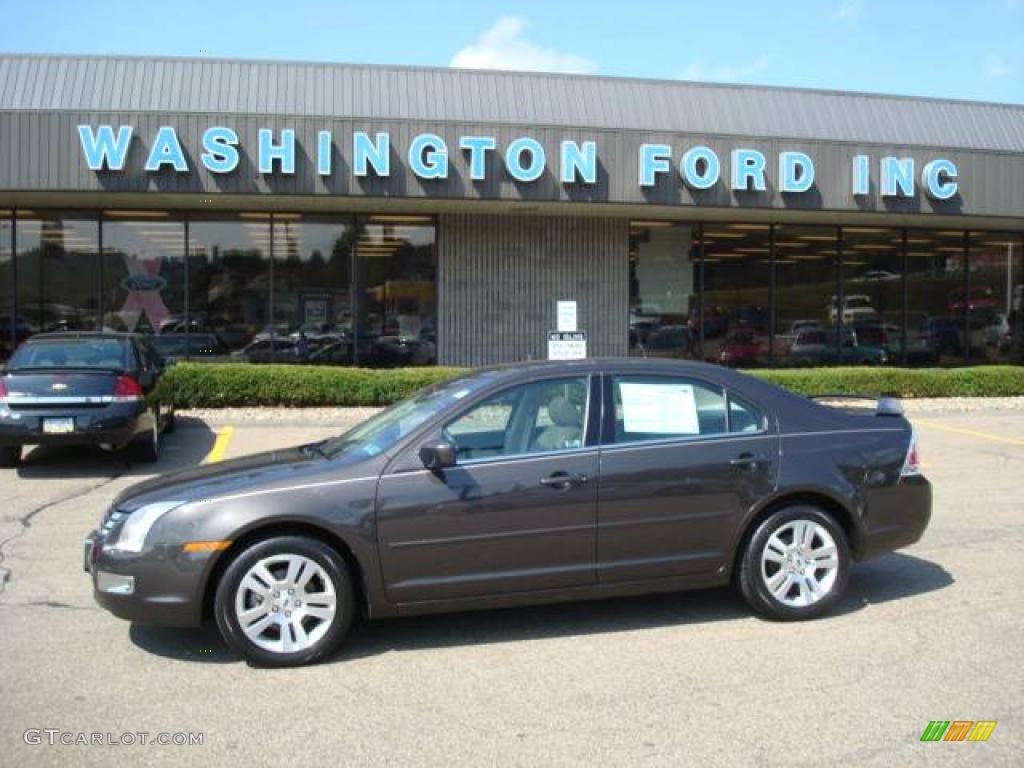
(963, 49)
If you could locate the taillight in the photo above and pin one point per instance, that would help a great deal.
(912, 464)
(127, 388)
(3, 391)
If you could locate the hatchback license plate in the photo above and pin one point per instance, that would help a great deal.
(58, 426)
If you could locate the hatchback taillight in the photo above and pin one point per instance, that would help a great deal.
(912, 464)
(127, 388)
(3, 391)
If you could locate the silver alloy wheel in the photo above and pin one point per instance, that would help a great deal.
(285, 603)
(799, 564)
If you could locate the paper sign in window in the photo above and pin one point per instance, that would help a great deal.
(660, 409)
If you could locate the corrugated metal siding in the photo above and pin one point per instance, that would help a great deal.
(82, 83)
(501, 276)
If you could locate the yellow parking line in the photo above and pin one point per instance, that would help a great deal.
(219, 445)
(970, 432)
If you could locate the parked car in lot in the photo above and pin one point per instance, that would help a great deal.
(742, 349)
(482, 491)
(174, 347)
(857, 308)
(82, 389)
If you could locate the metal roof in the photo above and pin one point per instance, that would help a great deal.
(170, 85)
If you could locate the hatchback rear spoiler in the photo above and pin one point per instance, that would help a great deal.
(884, 406)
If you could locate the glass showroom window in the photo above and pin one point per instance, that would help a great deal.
(143, 273)
(663, 300)
(996, 278)
(229, 283)
(873, 296)
(807, 311)
(397, 279)
(313, 287)
(935, 287)
(737, 285)
(10, 334)
(57, 271)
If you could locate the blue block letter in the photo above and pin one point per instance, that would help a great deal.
(166, 149)
(477, 146)
(935, 177)
(897, 172)
(103, 148)
(514, 159)
(689, 167)
(579, 161)
(796, 172)
(428, 156)
(323, 153)
(653, 160)
(747, 166)
(284, 152)
(220, 155)
(861, 172)
(377, 154)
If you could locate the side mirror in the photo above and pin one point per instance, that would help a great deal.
(437, 455)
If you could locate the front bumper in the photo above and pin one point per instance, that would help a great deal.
(115, 424)
(161, 585)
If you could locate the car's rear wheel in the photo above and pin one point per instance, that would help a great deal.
(285, 601)
(796, 564)
(10, 455)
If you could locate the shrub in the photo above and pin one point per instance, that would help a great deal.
(210, 385)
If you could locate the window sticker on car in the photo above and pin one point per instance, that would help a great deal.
(668, 408)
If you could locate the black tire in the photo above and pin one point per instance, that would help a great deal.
(751, 577)
(171, 423)
(336, 570)
(10, 456)
(146, 448)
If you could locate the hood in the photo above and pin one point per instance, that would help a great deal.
(262, 470)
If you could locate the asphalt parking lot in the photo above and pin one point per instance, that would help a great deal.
(933, 632)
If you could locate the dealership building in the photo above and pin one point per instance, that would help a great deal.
(378, 215)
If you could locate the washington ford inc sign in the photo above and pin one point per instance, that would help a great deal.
(524, 159)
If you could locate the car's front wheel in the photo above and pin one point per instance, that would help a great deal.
(285, 601)
(796, 564)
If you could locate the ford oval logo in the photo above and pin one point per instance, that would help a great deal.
(143, 283)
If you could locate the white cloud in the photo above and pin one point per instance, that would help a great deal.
(997, 66)
(706, 69)
(504, 47)
(847, 11)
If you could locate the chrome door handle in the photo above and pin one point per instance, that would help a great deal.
(563, 480)
(747, 461)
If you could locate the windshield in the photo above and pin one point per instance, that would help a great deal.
(381, 432)
(99, 354)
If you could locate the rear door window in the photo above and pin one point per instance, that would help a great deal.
(649, 408)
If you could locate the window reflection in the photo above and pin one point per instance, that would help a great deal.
(143, 273)
(996, 277)
(397, 268)
(806, 302)
(662, 290)
(935, 287)
(10, 334)
(737, 279)
(57, 268)
(229, 283)
(873, 297)
(313, 288)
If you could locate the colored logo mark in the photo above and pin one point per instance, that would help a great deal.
(958, 730)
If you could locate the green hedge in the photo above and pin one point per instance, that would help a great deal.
(977, 381)
(212, 385)
(207, 385)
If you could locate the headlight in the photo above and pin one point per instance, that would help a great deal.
(137, 526)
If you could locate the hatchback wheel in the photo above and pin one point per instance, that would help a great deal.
(285, 601)
(796, 565)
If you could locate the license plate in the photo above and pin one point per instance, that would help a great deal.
(58, 426)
